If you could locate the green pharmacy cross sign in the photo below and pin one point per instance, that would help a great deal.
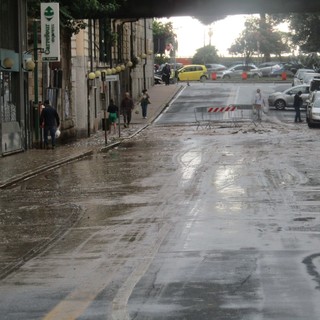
(50, 31)
(48, 13)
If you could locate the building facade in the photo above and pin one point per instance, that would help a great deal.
(120, 50)
(101, 62)
(14, 108)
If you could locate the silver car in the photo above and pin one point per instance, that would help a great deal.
(238, 70)
(313, 109)
(308, 77)
(281, 100)
(267, 68)
(297, 79)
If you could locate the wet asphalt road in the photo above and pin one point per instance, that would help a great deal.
(177, 223)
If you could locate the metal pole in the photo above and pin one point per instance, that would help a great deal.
(103, 78)
(36, 92)
(119, 106)
(145, 50)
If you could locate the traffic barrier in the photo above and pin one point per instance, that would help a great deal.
(222, 109)
(284, 76)
(214, 76)
(244, 76)
(234, 114)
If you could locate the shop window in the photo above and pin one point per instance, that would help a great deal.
(8, 109)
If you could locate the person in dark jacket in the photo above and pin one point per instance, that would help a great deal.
(126, 108)
(297, 103)
(50, 121)
(113, 115)
(144, 101)
(166, 73)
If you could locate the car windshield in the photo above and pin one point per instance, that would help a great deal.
(301, 73)
(308, 76)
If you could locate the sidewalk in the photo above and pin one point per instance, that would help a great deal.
(19, 166)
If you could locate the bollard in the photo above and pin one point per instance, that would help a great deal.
(284, 76)
(244, 76)
(214, 76)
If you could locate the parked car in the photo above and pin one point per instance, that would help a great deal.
(237, 71)
(158, 74)
(266, 68)
(215, 67)
(235, 63)
(308, 77)
(193, 72)
(293, 66)
(297, 79)
(313, 109)
(278, 73)
(281, 100)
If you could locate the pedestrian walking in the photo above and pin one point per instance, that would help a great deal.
(113, 116)
(297, 103)
(144, 101)
(126, 108)
(50, 121)
(258, 104)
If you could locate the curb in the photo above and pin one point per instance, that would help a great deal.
(46, 167)
(31, 173)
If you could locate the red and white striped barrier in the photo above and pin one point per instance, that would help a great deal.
(222, 109)
(234, 114)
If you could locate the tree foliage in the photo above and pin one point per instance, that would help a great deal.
(259, 37)
(305, 30)
(206, 54)
(73, 12)
(163, 34)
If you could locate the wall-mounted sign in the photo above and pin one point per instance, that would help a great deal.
(112, 78)
(50, 31)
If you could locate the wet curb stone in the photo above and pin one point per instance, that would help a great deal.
(89, 151)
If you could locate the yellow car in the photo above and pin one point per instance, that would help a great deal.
(193, 72)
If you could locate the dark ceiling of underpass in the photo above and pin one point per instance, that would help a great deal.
(214, 9)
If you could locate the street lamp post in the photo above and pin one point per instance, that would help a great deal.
(210, 33)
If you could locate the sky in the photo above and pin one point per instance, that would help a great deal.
(192, 34)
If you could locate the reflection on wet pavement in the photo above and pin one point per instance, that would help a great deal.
(175, 224)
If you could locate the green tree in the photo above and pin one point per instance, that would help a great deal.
(259, 37)
(163, 35)
(304, 30)
(205, 55)
(72, 12)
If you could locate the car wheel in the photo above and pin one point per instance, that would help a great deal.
(203, 78)
(226, 77)
(255, 76)
(280, 104)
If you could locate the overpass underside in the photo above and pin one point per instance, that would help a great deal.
(214, 9)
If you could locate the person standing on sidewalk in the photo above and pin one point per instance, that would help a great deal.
(50, 121)
(297, 103)
(126, 108)
(259, 103)
(166, 72)
(113, 115)
(144, 101)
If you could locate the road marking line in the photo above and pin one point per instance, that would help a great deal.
(119, 304)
